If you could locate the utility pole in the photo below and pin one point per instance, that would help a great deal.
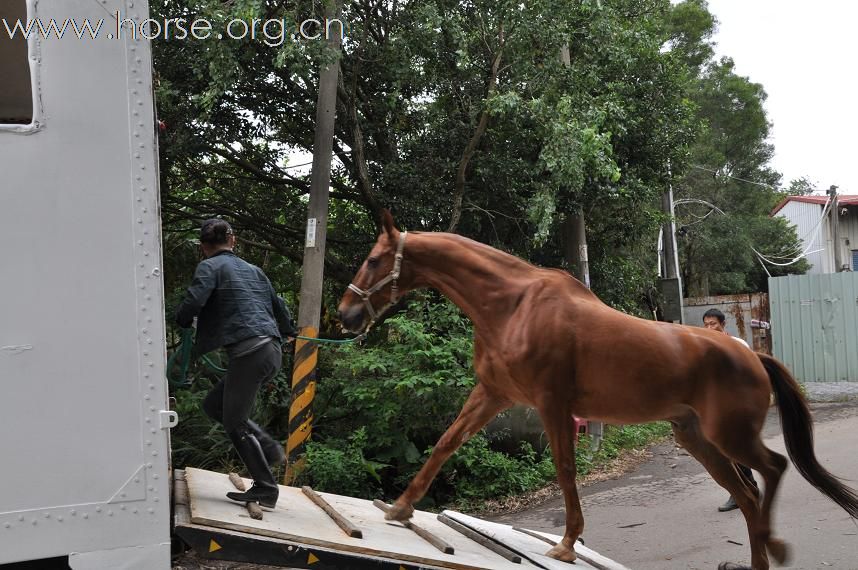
(309, 310)
(576, 256)
(671, 285)
(835, 229)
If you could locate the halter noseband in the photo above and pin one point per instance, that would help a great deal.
(391, 278)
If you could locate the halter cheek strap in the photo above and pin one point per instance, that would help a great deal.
(391, 278)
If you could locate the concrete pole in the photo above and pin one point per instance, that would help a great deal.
(576, 255)
(671, 251)
(309, 311)
(835, 230)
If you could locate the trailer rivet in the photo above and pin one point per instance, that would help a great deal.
(148, 442)
(60, 518)
(156, 499)
(137, 479)
(134, 511)
(35, 522)
(151, 510)
(152, 489)
(122, 507)
(86, 515)
(21, 518)
(151, 386)
(155, 476)
(110, 513)
(47, 515)
(148, 420)
(153, 430)
(149, 465)
(7, 525)
(154, 453)
(98, 509)
(73, 512)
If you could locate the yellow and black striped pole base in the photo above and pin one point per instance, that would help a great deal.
(301, 409)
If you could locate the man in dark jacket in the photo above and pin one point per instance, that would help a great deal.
(237, 309)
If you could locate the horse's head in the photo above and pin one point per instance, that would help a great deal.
(378, 283)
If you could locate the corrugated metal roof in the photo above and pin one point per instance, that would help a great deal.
(843, 200)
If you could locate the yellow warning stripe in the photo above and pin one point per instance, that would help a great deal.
(304, 369)
(299, 435)
(303, 399)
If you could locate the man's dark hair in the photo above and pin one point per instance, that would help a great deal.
(714, 313)
(215, 232)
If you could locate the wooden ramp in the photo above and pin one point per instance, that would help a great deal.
(299, 533)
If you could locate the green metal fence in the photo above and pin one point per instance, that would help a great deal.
(815, 325)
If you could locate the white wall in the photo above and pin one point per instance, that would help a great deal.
(85, 459)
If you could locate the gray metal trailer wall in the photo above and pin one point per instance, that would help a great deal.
(814, 322)
(83, 438)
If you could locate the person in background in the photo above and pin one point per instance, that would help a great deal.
(237, 309)
(713, 319)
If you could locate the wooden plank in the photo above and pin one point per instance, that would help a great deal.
(348, 527)
(253, 509)
(533, 550)
(419, 531)
(480, 539)
(300, 521)
(535, 535)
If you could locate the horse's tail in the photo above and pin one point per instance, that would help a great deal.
(797, 427)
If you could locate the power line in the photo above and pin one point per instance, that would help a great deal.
(763, 184)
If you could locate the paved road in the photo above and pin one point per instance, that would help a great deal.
(663, 516)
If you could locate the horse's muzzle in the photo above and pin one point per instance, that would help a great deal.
(352, 318)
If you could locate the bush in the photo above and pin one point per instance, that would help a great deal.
(478, 472)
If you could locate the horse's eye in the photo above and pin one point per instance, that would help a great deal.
(372, 261)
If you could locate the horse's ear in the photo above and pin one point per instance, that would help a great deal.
(387, 222)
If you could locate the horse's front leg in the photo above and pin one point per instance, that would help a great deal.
(479, 408)
(558, 422)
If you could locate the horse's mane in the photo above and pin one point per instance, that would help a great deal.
(509, 260)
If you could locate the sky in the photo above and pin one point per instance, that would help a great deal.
(806, 57)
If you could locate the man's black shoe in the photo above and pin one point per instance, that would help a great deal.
(265, 496)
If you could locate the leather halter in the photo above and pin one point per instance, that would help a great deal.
(391, 278)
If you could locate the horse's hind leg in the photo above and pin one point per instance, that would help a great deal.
(689, 435)
(558, 423)
(771, 465)
(479, 408)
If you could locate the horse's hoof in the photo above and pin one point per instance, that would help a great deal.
(562, 552)
(399, 512)
(779, 550)
(732, 566)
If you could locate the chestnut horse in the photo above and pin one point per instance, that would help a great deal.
(542, 339)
